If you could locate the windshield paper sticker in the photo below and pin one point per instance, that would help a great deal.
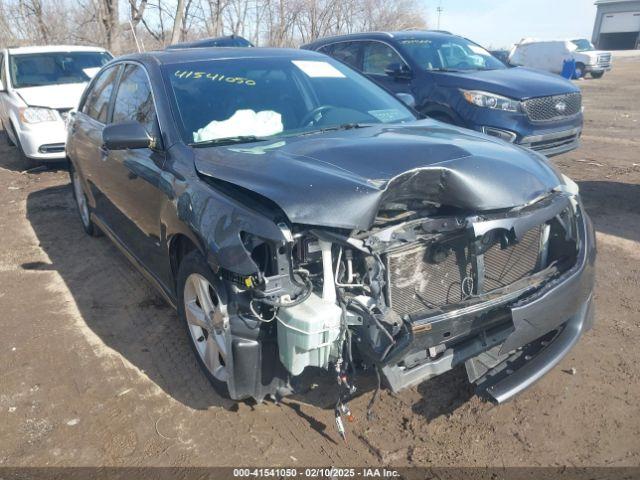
(388, 115)
(214, 77)
(316, 69)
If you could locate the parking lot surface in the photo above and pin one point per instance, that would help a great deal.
(95, 368)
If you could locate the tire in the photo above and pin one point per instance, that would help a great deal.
(28, 163)
(597, 74)
(195, 288)
(579, 71)
(84, 210)
(7, 137)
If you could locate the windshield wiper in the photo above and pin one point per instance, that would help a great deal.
(228, 141)
(344, 126)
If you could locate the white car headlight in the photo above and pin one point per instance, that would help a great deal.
(38, 115)
(491, 100)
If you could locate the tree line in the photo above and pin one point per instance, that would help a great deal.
(124, 25)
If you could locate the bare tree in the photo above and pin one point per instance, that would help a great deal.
(176, 34)
(108, 16)
(278, 23)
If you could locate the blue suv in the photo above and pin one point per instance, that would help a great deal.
(455, 80)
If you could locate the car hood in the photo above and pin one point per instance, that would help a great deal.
(52, 96)
(518, 82)
(340, 179)
(592, 54)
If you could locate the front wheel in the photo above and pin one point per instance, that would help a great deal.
(579, 71)
(597, 74)
(28, 162)
(202, 310)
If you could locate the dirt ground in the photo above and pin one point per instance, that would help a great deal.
(96, 370)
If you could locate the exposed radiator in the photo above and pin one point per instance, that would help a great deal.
(419, 281)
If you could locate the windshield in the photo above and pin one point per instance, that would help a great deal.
(449, 54)
(583, 45)
(39, 69)
(241, 98)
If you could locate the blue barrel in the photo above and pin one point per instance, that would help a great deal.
(569, 69)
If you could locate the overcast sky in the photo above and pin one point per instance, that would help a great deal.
(499, 23)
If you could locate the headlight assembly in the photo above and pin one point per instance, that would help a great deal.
(38, 115)
(491, 100)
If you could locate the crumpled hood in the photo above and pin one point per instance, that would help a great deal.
(53, 96)
(519, 83)
(339, 179)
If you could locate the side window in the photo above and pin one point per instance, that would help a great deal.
(133, 99)
(346, 52)
(96, 104)
(376, 57)
(326, 49)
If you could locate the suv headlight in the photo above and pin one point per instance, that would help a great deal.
(38, 115)
(491, 100)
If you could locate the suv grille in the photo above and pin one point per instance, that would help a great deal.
(544, 109)
(417, 284)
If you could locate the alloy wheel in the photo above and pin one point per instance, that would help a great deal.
(204, 315)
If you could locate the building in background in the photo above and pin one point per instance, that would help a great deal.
(617, 25)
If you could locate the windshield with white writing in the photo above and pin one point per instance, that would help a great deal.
(265, 97)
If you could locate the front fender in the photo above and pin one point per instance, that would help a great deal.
(218, 220)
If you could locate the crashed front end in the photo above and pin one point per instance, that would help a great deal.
(427, 287)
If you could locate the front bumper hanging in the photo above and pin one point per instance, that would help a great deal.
(561, 310)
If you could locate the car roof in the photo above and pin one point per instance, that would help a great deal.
(227, 41)
(53, 48)
(398, 35)
(186, 55)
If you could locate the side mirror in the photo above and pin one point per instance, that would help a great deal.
(399, 71)
(126, 135)
(406, 98)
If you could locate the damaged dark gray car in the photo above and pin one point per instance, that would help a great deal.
(297, 215)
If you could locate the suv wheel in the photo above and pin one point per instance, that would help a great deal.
(202, 311)
(7, 137)
(28, 162)
(597, 74)
(82, 203)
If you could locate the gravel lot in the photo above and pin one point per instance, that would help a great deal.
(95, 369)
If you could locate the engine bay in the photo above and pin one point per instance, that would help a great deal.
(400, 294)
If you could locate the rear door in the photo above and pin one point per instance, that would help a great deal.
(85, 147)
(136, 175)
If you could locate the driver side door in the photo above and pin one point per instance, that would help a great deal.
(138, 182)
(376, 58)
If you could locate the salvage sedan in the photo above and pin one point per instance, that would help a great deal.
(297, 215)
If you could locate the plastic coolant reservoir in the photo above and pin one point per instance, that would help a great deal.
(306, 333)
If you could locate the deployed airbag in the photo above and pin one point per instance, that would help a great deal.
(241, 123)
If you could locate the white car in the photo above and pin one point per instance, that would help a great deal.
(549, 55)
(38, 88)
